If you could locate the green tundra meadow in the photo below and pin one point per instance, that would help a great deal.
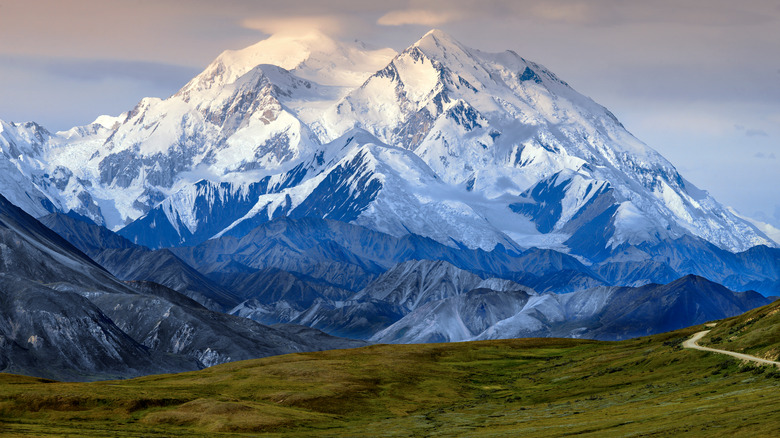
(522, 387)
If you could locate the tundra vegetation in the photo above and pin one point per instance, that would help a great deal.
(533, 387)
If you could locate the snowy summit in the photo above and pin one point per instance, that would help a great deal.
(468, 148)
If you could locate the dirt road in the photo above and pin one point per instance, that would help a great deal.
(691, 343)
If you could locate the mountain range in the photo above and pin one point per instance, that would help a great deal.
(66, 317)
(353, 282)
(440, 193)
(468, 148)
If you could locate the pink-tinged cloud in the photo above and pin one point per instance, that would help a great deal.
(297, 25)
(418, 16)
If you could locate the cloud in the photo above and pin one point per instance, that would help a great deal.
(576, 13)
(297, 25)
(418, 16)
(620, 12)
(88, 70)
(568, 13)
(60, 95)
(756, 133)
(92, 70)
(751, 132)
(769, 218)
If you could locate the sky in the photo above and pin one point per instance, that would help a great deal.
(697, 80)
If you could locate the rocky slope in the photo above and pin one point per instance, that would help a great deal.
(605, 313)
(63, 316)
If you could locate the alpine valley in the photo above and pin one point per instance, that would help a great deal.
(305, 194)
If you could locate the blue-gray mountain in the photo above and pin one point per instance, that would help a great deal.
(351, 281)
(606, 313)
(65, 317)
(128, 261)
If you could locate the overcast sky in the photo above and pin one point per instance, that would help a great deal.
(698, 80)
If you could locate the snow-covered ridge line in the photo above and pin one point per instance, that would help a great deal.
(466, 147)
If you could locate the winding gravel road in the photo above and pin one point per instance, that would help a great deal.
(691, 343)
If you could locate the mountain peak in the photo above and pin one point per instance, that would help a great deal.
(283, 50)
(437, 33)
(312, 55)
(436, 40)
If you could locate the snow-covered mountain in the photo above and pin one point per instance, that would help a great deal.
(469, 148)
(238, 120)
(507, 127)
(23, 175)
(355, 178)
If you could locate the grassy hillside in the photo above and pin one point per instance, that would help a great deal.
(756, 332)
(531, 387)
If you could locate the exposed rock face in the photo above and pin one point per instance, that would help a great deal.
(606, 313)
(63, 316)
